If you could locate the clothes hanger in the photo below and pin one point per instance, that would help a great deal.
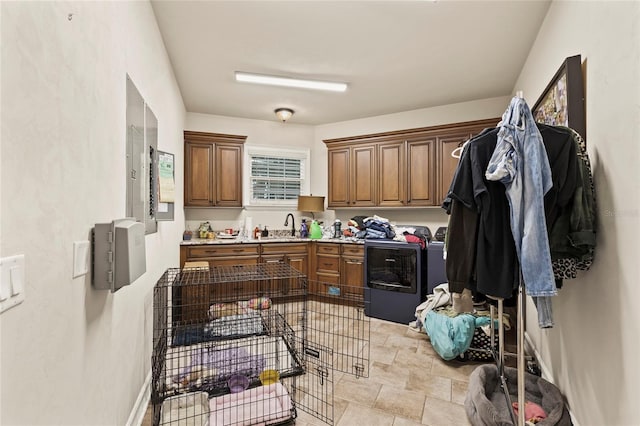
(457, 153)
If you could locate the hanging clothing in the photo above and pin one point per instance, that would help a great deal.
(520, 162)
(481, 252)
(572, 237)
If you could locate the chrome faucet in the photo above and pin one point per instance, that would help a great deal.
(293, 224)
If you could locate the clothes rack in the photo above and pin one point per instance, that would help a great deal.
(499, 357)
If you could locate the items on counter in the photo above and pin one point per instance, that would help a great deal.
(356, 228)
(205, 229)
(304, 231)
(316, 231)
(337, 229)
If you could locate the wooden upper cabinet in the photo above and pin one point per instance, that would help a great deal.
(198, 177)
(405, 168)
(392, 174)
(228, 175)
(213, 169)
(338, 190)
(421, 172)
(363, 176)
(352, 179)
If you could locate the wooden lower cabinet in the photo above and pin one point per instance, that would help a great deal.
(326, 264)
(221, 254)
(339, 266)
(326, 267)
(352, 269)
(294, 254)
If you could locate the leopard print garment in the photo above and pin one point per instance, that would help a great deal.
(568, 268)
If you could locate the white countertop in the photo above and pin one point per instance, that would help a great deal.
(267, 240)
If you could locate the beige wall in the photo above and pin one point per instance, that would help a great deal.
(592, 352)
(71, 354)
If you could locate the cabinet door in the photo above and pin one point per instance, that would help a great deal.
(198, 174)
(447, 163)
(299, 262)
(338, 177)
(328, 263)
(391, 174)
(421, 172)
(228, 175)
(363, 176)
(352, 275)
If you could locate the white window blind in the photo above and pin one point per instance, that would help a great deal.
(275, 178)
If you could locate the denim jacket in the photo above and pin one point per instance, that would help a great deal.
(520, 162)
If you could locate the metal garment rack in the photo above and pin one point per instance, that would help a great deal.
(519, 345)
(499, 357)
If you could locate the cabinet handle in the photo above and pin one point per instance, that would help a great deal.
(354, 262)
(326, 264)
(211, 251)
(274, 261)
(238, 250)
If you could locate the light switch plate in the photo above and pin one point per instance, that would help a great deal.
(80, 258)
(12, 281)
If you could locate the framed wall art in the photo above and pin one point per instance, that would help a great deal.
(562, 102)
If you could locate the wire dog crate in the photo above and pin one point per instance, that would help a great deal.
(244, 345)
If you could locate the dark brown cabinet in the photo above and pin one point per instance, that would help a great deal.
(407, 168)
(213, 169)
(338, 190)
(392, 174)
(294, 254)
(352, 269)
(198, 176)
(338, 269)
(421, 172)
(221, 254)
(326, 266)
(353, 181)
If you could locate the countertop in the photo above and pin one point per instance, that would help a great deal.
(267, 240)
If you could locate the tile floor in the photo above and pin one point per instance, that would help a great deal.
(408, 384)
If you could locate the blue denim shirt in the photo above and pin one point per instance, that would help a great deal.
(520, 162)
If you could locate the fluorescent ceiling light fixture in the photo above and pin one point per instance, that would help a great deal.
(273, 80)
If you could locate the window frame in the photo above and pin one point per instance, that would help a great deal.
(250, 151)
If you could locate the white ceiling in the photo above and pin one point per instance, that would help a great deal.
(395, 55)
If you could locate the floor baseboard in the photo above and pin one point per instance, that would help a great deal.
(140, 407)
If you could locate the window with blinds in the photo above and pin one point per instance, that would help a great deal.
(275, 178)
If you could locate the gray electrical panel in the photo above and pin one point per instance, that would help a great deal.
(142, 157)
(119, 256)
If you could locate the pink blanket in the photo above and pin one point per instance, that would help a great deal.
(257, 406)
